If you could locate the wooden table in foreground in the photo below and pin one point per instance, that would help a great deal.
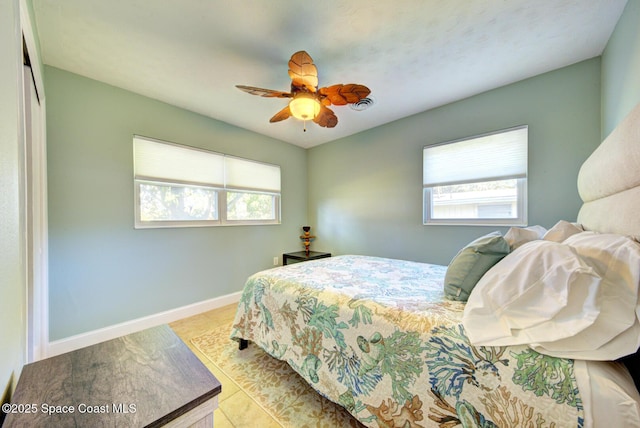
(145, 379)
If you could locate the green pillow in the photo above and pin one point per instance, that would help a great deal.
(473, 261)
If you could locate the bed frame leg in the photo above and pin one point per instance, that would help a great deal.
(243, 344)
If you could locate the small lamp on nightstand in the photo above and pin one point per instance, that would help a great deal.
(306, 238)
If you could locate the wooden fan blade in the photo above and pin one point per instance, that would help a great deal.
(281, 115)
(344, 94)
(326, 118)
(303, 72)
(264, 92)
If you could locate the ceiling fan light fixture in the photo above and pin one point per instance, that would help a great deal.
(307, 101)
(304, 106)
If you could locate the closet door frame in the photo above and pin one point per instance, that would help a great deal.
(34, 194)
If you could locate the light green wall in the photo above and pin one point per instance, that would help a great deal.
(621, 69)
(12, 279)
(104, 272)
(365, 191)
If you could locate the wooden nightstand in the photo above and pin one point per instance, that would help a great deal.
(150, 378)
(302, 256)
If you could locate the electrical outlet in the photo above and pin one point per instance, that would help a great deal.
(275, 261)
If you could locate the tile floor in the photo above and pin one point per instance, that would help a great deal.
(235, 408)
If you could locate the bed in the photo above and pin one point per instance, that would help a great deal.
(532, 336)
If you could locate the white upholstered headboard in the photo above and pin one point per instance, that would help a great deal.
(609, 181)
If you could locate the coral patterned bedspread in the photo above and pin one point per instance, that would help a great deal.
(378, 337)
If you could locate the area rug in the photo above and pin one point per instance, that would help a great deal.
(271, 383)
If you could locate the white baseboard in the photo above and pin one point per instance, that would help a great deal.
(78, 341)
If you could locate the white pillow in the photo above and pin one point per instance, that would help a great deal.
(576, 299)
(561, 231)
(516, 236)
(530, 287)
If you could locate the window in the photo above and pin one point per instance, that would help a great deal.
(180, 186)
(480, 180)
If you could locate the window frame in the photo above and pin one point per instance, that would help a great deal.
(221, 195)
(223, 215)
(521, 190)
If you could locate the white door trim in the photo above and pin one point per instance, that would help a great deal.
(35, 197)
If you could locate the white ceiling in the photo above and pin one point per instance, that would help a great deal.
(414, 55)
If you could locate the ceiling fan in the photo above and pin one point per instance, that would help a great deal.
(307, 101)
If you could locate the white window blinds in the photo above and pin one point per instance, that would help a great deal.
(495, 156)
(154, 160)
(250, 175)
(167, 162)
